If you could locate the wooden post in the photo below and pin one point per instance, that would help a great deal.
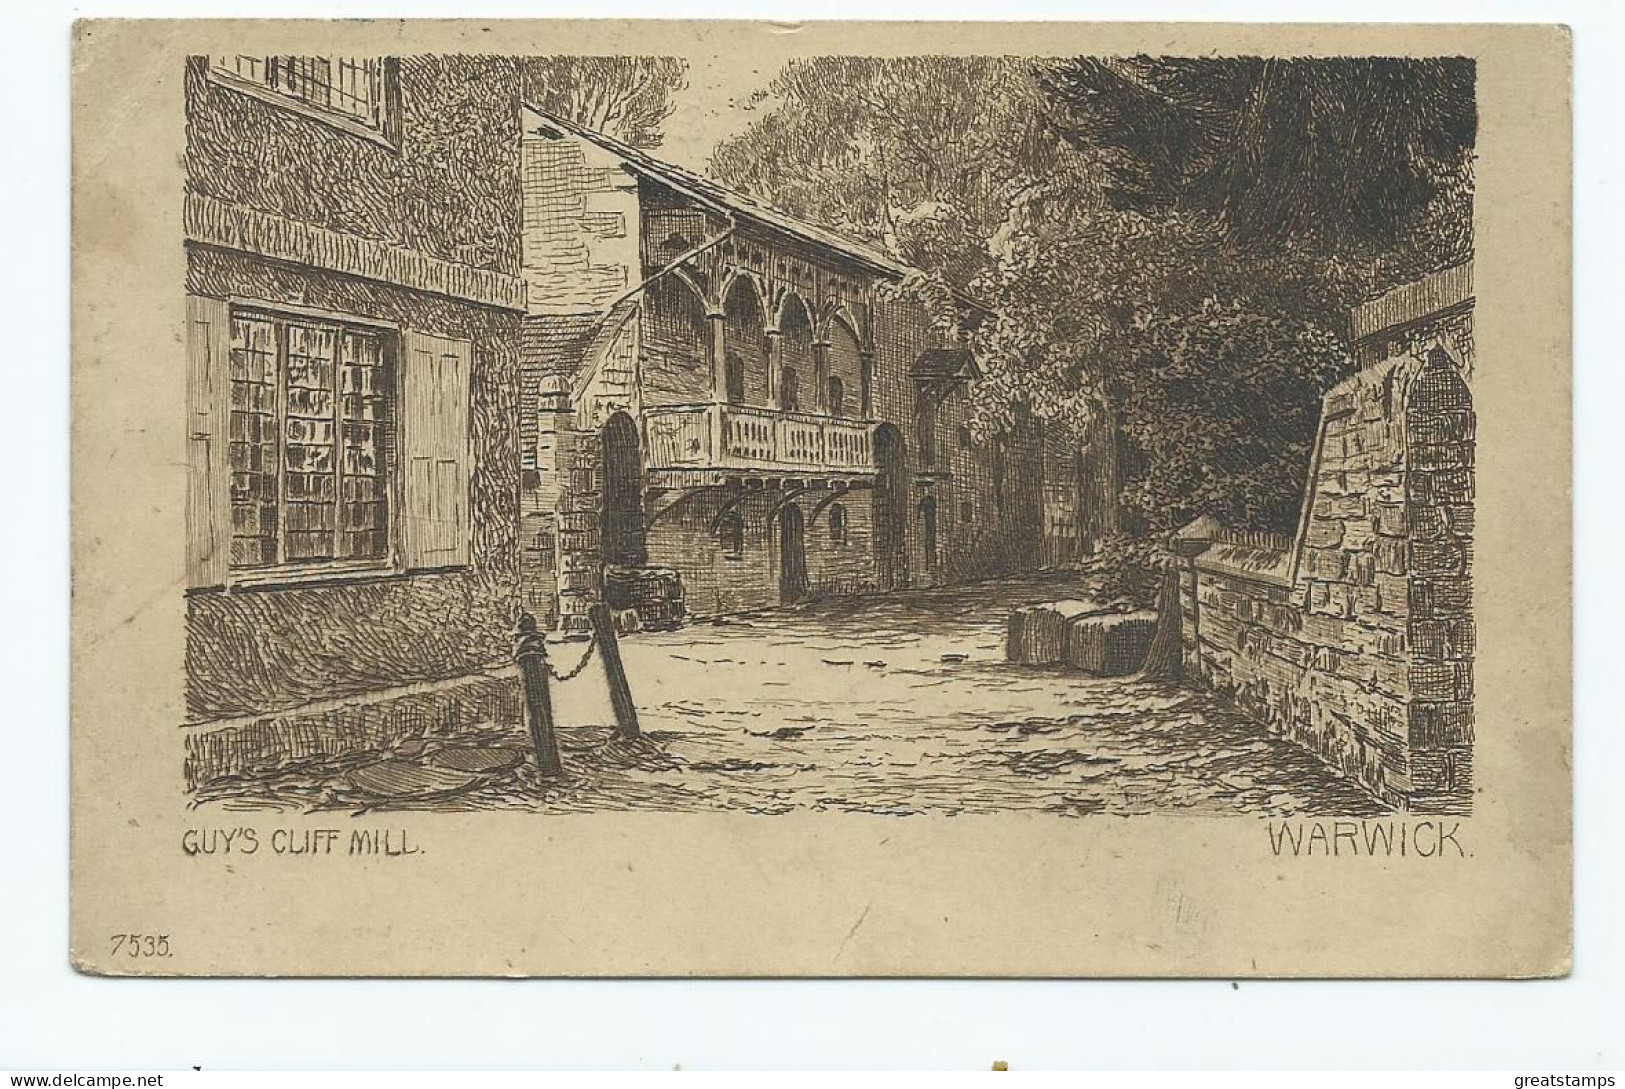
(531, 651)
(1165, 660)
(609, 648)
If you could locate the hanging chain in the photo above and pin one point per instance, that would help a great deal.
(579, 666)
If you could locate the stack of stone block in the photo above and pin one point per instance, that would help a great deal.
(1080, 635)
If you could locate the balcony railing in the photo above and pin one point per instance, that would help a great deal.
(739, 437)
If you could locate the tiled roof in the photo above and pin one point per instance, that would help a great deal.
(556, 343)
(707, 191)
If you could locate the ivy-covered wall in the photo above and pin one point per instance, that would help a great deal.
(252, 651)
(444, 180)
(441, 183)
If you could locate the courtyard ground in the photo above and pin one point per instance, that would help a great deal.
(898, 705)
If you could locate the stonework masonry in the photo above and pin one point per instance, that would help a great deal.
(580, 226)
(610, 328)
(717, 581)
(1356, 637)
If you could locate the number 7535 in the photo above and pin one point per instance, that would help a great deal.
(140, 945)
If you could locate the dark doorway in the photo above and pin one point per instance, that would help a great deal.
(620, 521)
(891, 509)
(792, 555)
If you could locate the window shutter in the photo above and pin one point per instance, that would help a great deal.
(435, 456)
(208, 394)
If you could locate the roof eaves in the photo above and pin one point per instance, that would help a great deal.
(719, 196)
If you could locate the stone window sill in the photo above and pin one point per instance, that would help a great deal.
(294, 576)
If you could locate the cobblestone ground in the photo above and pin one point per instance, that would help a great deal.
(885, 705)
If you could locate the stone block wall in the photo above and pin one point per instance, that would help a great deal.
(561, 490)
(579, 552)
(716, 583)
(1355, 638)
(580, 235)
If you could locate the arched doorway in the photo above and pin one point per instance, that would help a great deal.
(891, 509)
(792, 555)
(622, 540)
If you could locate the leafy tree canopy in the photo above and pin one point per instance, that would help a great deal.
(923, 155)
(1347, 155)
(1168, 246)
(627, 97)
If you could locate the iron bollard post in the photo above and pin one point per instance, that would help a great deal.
(620, 693)
(531, 652)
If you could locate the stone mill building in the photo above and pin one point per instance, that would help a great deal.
(725, 409)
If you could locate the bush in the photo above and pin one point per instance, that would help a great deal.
(1125, 570)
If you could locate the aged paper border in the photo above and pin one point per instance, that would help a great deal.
(823, 894)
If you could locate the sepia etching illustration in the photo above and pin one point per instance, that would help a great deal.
(946, 435)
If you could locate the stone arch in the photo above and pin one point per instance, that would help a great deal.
(840, 316)
(621, 530)
(677, 310)
(730, 279)
(790, 304)
(744, 342)
(798, 364)
(844, 370)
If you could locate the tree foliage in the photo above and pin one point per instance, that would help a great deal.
(627, 97)
(924, 155)
(1342, 155)
(1167, 247)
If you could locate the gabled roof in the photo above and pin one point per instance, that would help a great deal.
(945, 364)
(718, 196)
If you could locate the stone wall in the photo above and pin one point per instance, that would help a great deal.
(276, 647)
(1355, 638)
(561, 553)
(318, 732)
(716, 582)
(445, 184)
(581, 247)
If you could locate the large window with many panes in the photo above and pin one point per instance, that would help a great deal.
(310, 443)
(348, 87)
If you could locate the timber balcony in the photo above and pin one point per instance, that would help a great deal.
(739, 437)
